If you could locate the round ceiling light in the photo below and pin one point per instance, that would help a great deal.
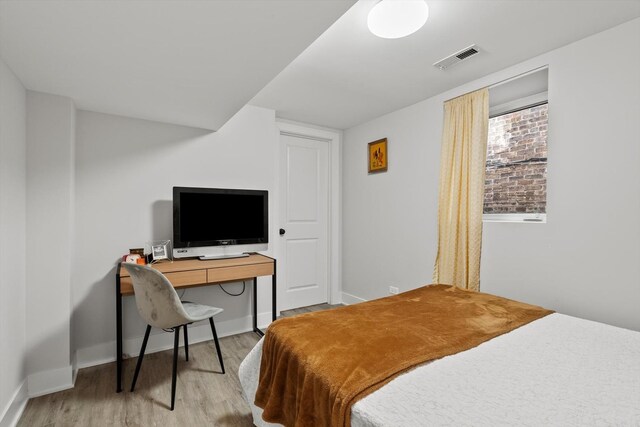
(392, 19)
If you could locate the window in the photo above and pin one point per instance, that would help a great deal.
(516, 169)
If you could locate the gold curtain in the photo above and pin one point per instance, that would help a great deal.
(462, 168)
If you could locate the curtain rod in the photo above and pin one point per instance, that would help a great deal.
(501, 82)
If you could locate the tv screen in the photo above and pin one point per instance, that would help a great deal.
(215, 216)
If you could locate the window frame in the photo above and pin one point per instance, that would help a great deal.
(500, 110)
(529, 218)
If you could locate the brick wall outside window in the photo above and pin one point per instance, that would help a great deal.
(516, 175)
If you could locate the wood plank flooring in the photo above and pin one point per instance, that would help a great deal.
(203, 395)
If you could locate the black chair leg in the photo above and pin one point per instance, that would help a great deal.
(140, 357)
(215, 339)
(176, 341)
(186, 344)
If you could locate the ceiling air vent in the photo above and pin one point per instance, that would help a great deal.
(450, 60)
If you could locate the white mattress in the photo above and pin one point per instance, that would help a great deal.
(558, 370)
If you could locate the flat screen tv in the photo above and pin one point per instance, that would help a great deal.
(219, 223)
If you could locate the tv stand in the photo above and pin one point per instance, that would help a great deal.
(224, 256)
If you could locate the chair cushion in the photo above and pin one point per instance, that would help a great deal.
(197, 312)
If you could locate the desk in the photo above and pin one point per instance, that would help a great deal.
(187, 273)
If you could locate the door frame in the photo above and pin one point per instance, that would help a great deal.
(334, 218)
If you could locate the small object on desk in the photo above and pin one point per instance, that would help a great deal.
(159, 250)
(137, 251)
(131, 258)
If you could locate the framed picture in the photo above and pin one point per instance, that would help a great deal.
(160, 250)
(378, 157)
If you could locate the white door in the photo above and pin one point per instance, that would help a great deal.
(304, 187)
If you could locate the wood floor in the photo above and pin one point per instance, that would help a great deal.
(204, 397)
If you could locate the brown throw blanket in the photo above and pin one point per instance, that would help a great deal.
(315, 366)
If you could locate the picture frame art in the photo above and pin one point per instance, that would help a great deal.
(159, 250)
(377, 155)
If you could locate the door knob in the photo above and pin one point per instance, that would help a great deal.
(282, 231)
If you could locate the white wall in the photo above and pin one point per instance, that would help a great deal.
(12, 244)
(125, 171)
(50, 201)
(584, 260)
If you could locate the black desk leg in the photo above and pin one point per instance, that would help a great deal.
(255, 307)
(118, 334)
(273, 293)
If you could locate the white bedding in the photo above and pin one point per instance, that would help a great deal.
(558, 370)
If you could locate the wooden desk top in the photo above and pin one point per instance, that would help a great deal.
(191, 264)
(186, 273)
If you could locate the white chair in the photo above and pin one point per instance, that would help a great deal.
(160, 306)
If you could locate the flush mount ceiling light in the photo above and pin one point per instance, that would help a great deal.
(392, 19)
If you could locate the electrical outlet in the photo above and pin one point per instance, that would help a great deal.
(393, 290)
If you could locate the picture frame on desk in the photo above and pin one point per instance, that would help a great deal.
(160, 250)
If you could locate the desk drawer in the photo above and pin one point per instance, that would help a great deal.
(178, 279)
(225, 274)
(181, 278)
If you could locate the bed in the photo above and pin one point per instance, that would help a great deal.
(557, 370)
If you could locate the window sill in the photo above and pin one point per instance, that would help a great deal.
(522, 218)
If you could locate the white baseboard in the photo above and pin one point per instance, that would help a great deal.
(15, 407)
(264, 320)
(348, 299)
(50, 381)
(106, 352)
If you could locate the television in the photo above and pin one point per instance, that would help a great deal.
(219, 223)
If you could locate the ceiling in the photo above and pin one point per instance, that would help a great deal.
(349, 76)
(196, 63)
(193, 63)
